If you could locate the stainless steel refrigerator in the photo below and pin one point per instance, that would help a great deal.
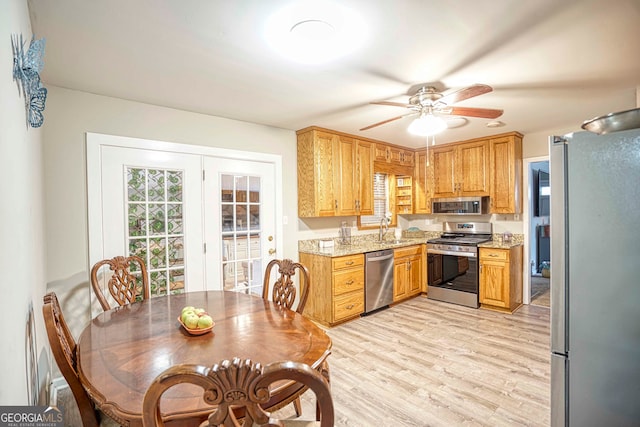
(595, 279)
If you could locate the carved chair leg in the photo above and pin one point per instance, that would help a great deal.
(297, 405)
(324, 371)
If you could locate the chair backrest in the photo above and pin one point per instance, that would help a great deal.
(283, 291)
(123, 285)
(237, 383)
(63, 348)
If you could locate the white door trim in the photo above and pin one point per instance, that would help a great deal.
(94, 144)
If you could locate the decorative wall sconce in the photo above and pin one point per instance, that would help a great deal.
(26, 73)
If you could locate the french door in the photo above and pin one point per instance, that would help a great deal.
(200, 219)
(239, 205)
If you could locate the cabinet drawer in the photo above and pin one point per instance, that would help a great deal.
(408, 251)
(494, 254)
(348, 281)
(347, 261)
(348, 305)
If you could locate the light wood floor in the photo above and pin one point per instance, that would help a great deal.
(429, 363)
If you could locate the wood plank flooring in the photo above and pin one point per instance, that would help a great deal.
(429, 363)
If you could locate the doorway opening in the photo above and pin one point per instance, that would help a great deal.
(540, 241)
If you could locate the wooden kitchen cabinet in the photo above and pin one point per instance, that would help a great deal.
(505, 177)
(407, 272)
(394, 155)
(336, 293)
(335, 174)
(461, 169)
(501, 278)
(422, 183)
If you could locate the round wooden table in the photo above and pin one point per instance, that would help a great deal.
(123, 350)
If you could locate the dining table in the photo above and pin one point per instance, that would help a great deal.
(122, 350)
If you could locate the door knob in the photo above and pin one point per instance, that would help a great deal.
(272, 251)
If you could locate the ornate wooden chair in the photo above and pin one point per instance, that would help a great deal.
(63, 348)
(123, 286)
(283, 292)
(239, 383)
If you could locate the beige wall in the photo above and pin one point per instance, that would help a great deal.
(22, 260)
(74, 113)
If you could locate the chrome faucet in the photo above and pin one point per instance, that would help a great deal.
(384, 225)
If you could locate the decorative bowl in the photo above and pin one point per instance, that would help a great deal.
(200, 331)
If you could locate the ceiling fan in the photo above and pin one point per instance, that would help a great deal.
(428, 104)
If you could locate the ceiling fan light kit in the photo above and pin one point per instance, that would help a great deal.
(427, 125)
(429, 105)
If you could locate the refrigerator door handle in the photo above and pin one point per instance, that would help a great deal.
(559, 237)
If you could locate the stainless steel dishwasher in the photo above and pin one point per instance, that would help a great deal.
(378, 279)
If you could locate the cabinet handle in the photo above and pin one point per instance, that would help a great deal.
(349, 263)
(493, 255)
(336, 200)
(349, 282)
(349, 307)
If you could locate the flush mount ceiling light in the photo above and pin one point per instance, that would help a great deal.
(313, 32)
(426, 125)
(495, 124)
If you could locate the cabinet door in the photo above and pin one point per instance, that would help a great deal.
(315, 174)
(506, 174)
(422, 184)
(364, 178)
(494, 283)
(400, 279)
(415, 275)
(381, 153)
(444, 179)
(344, 174)
(472, 169)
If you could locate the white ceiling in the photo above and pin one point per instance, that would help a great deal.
(552, 63)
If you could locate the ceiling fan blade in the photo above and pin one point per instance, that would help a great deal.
(387, 121)
(393, 104)
(487, 113)
(465, 93)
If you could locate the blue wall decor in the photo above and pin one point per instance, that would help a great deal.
(26, 72)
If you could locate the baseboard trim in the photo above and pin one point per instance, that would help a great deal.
(58, 383)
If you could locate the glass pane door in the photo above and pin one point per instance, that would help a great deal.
(240, 223)
(155, 229)
(241, 232)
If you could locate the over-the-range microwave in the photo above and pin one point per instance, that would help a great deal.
(461, 206)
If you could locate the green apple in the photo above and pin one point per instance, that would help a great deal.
(186, 314)
(204, 321)
(200, 311)
(188, 308)
(191, 320)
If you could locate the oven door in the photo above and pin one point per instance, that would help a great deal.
(453, 277)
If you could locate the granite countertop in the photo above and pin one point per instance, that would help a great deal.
(369, 243)
(496, 244)
(311, 246)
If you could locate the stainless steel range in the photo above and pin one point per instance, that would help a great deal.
(452, 262)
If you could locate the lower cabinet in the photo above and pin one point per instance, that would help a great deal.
(407, 272)
(336, 293)
(501, 278)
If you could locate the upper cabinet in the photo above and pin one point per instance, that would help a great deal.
(505, 176)
(422, 178)
(335, 174)
(461, 169)
(394, 155)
